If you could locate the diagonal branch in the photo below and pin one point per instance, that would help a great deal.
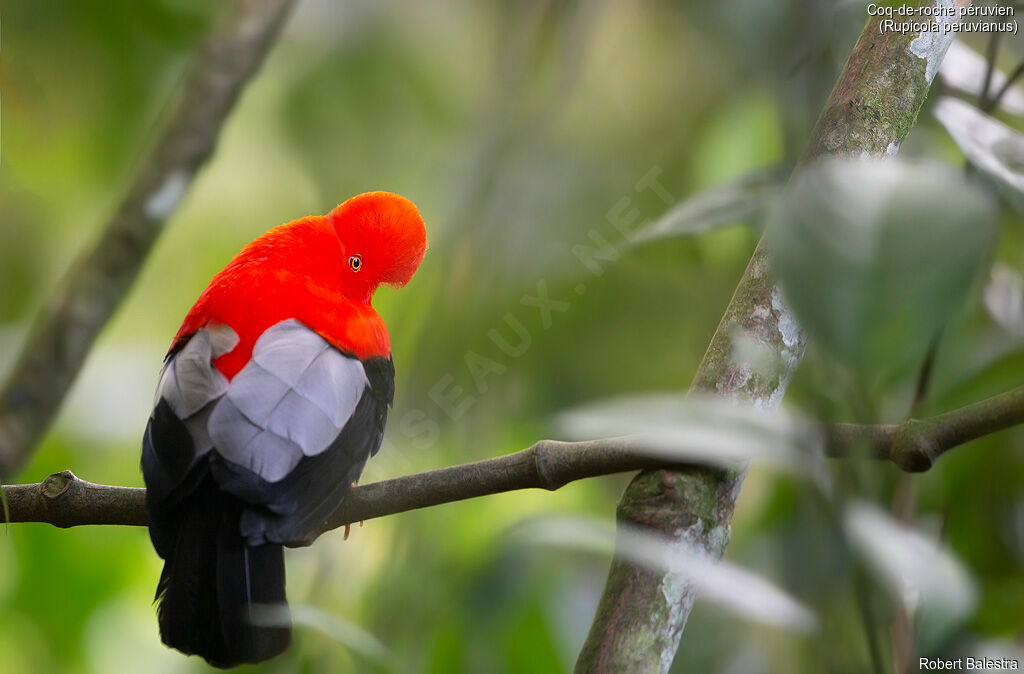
(69, 323)
(640, 619)
(66, 501)
(989, 104)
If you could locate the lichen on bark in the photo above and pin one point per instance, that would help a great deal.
(638, 624)
(876, 101)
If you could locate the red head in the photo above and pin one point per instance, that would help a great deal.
(320, 270)
(382, 239)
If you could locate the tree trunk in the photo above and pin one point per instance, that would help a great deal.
(642, 613)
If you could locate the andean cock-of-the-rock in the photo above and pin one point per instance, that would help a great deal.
(273, 396)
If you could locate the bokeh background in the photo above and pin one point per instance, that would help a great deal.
(519, 129)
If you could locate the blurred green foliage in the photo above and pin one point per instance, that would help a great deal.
(849, 252)
(520, 129)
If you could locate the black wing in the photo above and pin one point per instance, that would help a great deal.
(292, 510)
(287, 436)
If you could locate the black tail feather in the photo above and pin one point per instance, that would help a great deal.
(212, 581)
(249, 578)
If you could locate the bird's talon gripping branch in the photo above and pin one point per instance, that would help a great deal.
(348, 530)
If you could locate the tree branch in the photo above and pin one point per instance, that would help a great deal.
(916, 444)
(64, 500)
(67, 326)
(989, 104)
(642, 613)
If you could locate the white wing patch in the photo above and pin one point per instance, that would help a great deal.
(189, 381)
(291, 400)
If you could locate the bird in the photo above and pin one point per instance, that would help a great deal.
(273, 395)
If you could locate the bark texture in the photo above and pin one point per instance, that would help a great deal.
(641, 615)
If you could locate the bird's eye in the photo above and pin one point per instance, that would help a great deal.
(355, 262)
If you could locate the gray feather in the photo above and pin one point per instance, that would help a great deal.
(291, 400)
(222, 338)
(189, 381)
(287, 350)
(256, 393)
(301, 421)
(334, 384)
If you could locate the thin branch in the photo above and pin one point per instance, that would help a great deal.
(548, 464)
(991, 54)
(69, 323)
(924, 375)
(916, 444)
(66, 501)
(991, 104)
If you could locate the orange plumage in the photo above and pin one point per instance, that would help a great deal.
(300, 270)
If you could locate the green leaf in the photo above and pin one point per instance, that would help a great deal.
(923, 574)
(742, 592)
(719, 206)
(704, 430)
(875, 256)
(963, 69)
(991, 146)
(1004, 299)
